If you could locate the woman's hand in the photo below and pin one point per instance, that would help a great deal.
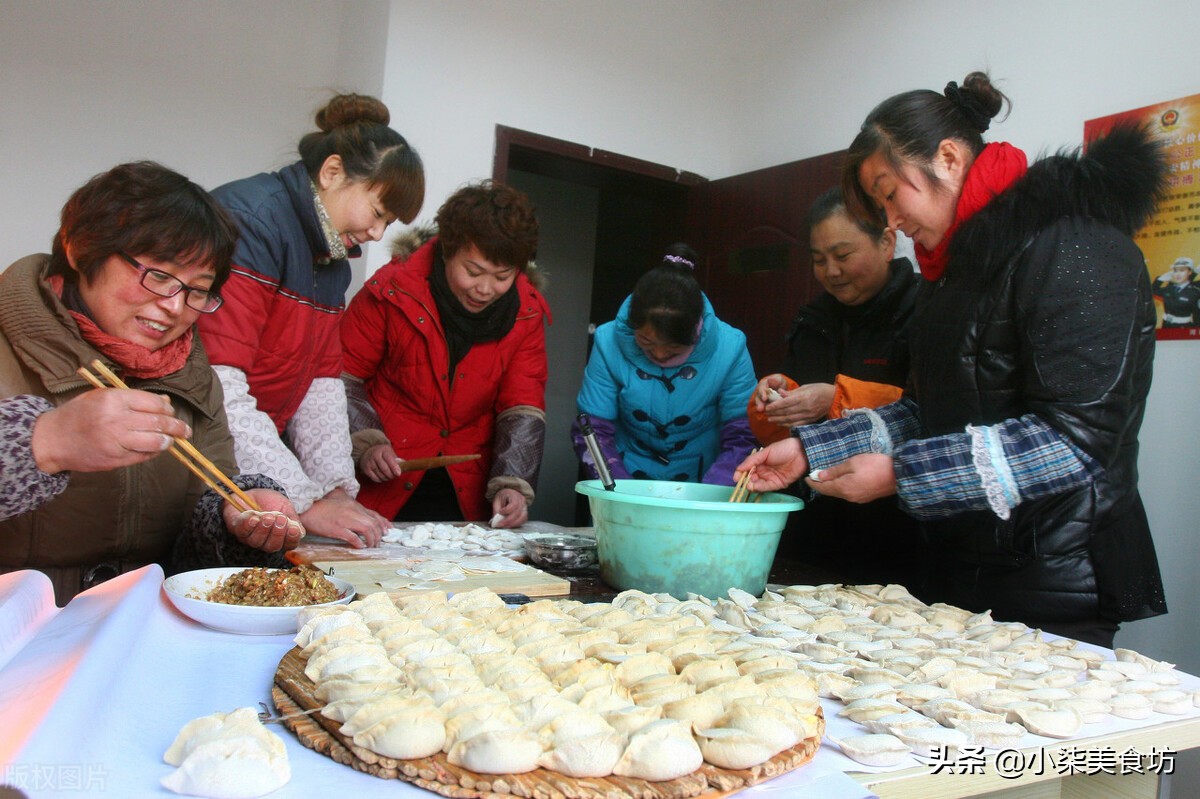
(380, 464)
(337, 515)
(509, 508)
(104, 429)
(768, 390)
(774, 467)
(862, 478)
(803, 405)
(276, 528)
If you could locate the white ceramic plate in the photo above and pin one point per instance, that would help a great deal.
(182, 590)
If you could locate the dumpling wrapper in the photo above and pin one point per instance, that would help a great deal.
(662, 750)
(229, 768)
(498, 752)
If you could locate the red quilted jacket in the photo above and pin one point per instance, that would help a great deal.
(392, 339)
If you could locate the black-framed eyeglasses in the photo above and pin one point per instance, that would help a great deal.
(164, 284)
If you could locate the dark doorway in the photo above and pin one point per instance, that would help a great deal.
(606, 218)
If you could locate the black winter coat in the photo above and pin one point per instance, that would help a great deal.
(875, 542)
(1045, 308)
(866, 342)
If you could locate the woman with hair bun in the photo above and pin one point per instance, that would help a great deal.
(1031, 350)
(446, 355)
(275, 345)
(666, 384)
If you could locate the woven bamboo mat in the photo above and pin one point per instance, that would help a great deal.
(293, 693)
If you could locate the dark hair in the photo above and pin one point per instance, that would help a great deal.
(668, 297)
(355, 127)
(831, 203)
(142, 209)
(496, 218)
(907, 129)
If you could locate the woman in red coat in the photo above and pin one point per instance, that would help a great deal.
(445, 354)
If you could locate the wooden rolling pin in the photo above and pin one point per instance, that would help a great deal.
(421, 464)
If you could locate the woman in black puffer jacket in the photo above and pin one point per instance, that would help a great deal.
(1032, 349)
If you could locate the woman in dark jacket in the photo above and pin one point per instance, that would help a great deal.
(1032, 351)
(857, 328)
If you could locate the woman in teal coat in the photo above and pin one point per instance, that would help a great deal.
(667, 382)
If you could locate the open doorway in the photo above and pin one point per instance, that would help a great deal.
(604, 219)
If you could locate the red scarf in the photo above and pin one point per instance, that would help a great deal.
(134, 359)
(995, 169)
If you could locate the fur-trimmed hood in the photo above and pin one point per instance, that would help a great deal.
(409, 240)
(1119, 181)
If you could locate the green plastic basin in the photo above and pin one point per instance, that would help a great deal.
(676, 538)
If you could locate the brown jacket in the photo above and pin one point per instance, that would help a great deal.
(127, 517)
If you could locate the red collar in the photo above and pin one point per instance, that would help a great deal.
(995, 169)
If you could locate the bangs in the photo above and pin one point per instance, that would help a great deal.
(401, 183)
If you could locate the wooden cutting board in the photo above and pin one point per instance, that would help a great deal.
(365, 574)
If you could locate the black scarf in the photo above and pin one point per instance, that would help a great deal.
(464, 328)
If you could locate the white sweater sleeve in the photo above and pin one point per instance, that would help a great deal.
(319, 433)
(259, 449)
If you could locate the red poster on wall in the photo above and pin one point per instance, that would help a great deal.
(1171, 240)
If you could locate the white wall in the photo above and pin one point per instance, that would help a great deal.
(224, 88)
(202, 86)
(655, 80)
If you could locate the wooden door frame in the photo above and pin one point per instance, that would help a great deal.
(507, 138)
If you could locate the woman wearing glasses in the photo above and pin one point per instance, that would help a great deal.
(667, 381)
(141, 254)
(275, 344)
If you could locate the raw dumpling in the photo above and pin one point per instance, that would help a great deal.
(587, 756)
(779, 729)
(734, 749)
(541, 709)
(403, 728)
(1051, 723)
(344, 660)
(637, 667)
(873, 750)
(242, 722)
(229, 768)
(227, 756)
(662, 750)
(702, 710)
(632, 718)
(498, 752)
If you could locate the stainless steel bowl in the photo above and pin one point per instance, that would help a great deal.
(561, 551)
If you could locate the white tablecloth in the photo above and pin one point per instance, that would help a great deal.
(92, 695)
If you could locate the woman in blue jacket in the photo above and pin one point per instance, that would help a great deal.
(667, 381)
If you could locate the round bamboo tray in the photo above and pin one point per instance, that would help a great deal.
(293, 693)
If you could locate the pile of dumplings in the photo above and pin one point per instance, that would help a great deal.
(925, 679)
(468, 538)
(646, 687)
(650, 686)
